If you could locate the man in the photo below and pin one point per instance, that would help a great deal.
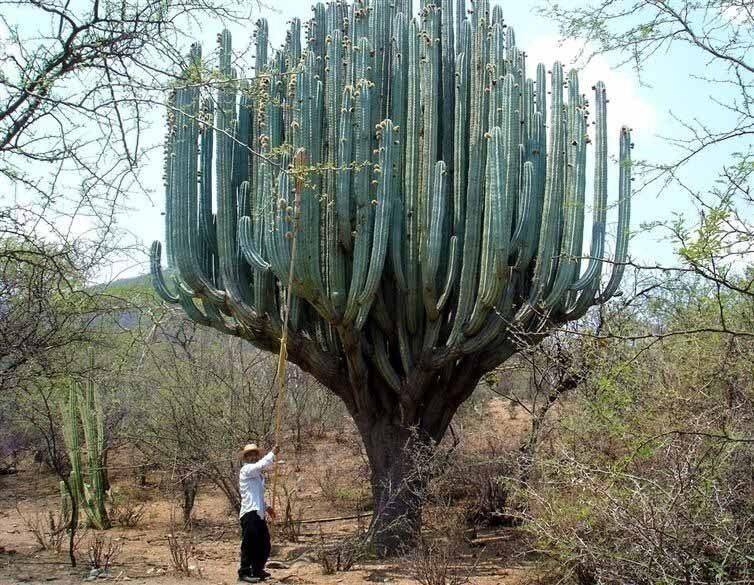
(255, 537)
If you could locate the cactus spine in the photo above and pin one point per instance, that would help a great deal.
(83, 416)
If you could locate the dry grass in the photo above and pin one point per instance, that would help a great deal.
(48, 529)
(102, 551)
(183, 559)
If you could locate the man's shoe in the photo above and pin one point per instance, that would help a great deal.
(248, 579)
(264, 574)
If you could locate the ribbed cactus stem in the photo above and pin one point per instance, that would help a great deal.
(65, 504)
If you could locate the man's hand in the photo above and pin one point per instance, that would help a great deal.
(271, 512)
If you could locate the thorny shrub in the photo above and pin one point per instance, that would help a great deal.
(651, 477)
(124, 510)
(48, 529)
(102, 551)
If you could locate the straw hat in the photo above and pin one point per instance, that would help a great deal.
(249, 448)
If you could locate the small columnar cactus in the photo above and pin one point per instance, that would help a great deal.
(84, 408)
(433, 192)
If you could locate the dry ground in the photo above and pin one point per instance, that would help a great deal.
(145, 555)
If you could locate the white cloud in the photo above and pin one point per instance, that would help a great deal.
(626, 107)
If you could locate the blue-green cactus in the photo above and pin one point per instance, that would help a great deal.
(429, 182)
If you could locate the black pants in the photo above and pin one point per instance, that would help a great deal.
(255, 544)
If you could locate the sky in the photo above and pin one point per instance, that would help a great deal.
(668, 90)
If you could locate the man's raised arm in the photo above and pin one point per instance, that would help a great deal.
(266, 461)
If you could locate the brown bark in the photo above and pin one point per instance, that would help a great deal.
(398, 435)
(397, 488)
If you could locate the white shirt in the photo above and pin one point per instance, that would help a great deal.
(251, 482)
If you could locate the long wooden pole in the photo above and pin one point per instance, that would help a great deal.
(299, 161)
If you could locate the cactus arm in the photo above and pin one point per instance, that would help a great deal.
(411, 177)
(430, 97)
(207, 226)
(189, 249)
(227, 204)
(496, 323)
(336, 262)
(399, 80)
(450, 279)
(624, 216)
(578, 239)
(474, 193)
(460, 156)
(396, 246)
(186, 301)
(548, 239)
(460, 25)
(588, 295)
(158, 278)
(280, 234)
(382, 360)
(594, 268)
(310, 199)
(345, 161)
(431, 337)
(217, 320)
(487, 333)
(496, 242)
(434, 241)
(364, 219)
(573, 206)
(191, 252)
(525, 215)
(448, 85)
(384, 207)
(232, 271)
(490, 232)
(246, 243)
(404, 345)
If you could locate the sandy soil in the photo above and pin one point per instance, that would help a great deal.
(145, 555)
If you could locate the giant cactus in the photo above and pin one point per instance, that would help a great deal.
(435, 198)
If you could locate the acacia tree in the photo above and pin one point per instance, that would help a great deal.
(391, 196)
